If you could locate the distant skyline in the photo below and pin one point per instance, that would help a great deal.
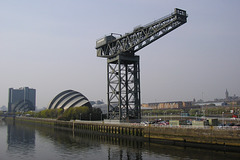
(50, 46)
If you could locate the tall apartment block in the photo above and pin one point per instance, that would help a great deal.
(22, 99)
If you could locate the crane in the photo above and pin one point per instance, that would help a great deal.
(123, 71)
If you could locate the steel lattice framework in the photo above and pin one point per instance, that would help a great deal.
(123, 87)
(123, 77)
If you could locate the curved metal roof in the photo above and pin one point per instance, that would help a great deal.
(67, 99)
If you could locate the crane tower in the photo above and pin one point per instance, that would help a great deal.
(123, 71)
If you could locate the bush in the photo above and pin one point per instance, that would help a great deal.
(193, 112)
(163, 112)
(49, 113)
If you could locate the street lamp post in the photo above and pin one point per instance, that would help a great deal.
(90, 116)
(238, 114)
(164, 115)
(148, 117)
(222, 119)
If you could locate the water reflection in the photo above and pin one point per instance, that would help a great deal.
(20, 139)
(42, 142)
(93, 146)
(120, 148)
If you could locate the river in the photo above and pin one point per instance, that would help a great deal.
(28, 142)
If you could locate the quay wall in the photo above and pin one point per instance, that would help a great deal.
(226, 139)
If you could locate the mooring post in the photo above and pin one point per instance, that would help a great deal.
(73, 129)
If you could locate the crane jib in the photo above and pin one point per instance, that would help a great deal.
(141, 36)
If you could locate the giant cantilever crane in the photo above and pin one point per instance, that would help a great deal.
(123, 72)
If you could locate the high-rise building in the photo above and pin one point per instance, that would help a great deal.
(226, 95)
(22, 99)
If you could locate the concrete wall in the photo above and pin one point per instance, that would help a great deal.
(209, 135)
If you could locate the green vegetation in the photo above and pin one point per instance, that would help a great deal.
(85, 113)
(209, 110)
(194, 112)
(162, 112)
(80, 113)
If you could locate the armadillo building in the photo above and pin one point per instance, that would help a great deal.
(68, 99)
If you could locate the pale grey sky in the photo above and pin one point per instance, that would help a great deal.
(49, 45)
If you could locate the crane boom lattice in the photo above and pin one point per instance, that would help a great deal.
(123, 73)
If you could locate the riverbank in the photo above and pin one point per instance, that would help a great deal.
(224, 139)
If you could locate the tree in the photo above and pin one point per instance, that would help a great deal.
(96, 114)
(73, 113)
(193, 112)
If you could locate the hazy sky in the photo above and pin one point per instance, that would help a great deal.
(49, 45)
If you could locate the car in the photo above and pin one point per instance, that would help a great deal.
(144, 123)
(237, 126)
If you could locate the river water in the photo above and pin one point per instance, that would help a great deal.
(28, 142)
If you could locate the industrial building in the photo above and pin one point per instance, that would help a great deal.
(167, 105)
(22, 99)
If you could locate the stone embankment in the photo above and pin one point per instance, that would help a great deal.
(219, 138)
